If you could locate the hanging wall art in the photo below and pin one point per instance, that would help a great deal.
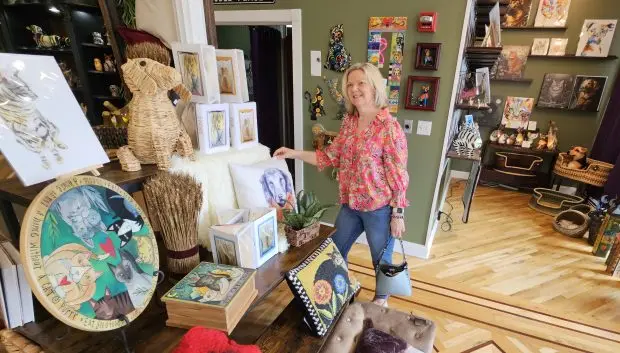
(422, 93)
(511, 63)
(596, 37)
(387, 37)
(332, 87)
(552, 13)
(338, 58)
(517, 112)
(556, 91)
(587, 93)
(427, 56)
(517, 14)
(315, 103)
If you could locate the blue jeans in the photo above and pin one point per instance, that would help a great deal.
(351, 223)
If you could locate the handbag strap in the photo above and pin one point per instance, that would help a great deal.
(402, 247)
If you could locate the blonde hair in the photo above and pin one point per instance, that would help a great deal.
(374, 77)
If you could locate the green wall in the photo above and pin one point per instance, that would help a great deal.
(575, 128)
(234, 37)
(424, 151)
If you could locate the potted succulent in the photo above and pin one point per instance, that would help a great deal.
(302, 224)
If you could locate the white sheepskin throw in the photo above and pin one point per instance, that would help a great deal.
(212, 171)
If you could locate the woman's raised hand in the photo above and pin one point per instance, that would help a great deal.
(285, 152)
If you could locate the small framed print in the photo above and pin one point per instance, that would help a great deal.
(213, 122)
(243, 125)
(265, 233)
(422, 93)
(557, 47)
(427, 56)
(232, 244)
(596, 36)
(540, 46)
(198, 68)
(232, 79)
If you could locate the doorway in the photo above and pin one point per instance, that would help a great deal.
(271, 41)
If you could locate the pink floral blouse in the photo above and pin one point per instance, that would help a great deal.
(372, 164)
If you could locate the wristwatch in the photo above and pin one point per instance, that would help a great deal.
(398, 211)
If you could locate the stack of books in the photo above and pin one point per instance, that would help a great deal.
(212, 296)
(15, 295)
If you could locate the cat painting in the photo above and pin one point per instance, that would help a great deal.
(138, 282)
(556, 91)
(112, 307)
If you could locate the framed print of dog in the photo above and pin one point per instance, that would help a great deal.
(213, 122)
(243, 125)
(45, 133)
(427, 56)
(587, 93)
(198, 68)
(596, 37)
(232, 77)
(422, 93)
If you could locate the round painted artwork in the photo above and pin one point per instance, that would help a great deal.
(89, 253)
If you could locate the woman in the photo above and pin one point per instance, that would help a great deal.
(371, 154)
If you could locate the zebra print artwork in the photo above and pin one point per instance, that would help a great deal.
(18, 113)
(468, 140)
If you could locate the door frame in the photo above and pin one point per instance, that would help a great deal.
(290, 17)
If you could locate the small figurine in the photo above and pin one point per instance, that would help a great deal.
(424, 96)
(494, 135)
(428, 58)
(511, 139)
(115, 91)
(501, 139)
(107, 37)
(552, 136)
(519, 140)
(108, 63)
(48, 40)
(542, 143)
(315, 104)
(68, 73)
(338, 58)
(97, 38)
(84, 108)
(97, 63)
(469, 90)
(577, 158)
(332, 87)
(468, 140)
(531, 136)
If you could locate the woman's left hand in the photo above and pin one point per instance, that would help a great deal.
(397, 226)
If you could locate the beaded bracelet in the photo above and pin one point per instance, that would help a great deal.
(398, 216)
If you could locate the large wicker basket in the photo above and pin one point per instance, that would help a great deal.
(596, 173)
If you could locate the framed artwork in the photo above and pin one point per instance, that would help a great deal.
(556, 91)
(596, 37)
(422, 93)
(511, 62)
(91, 248)
(491, 117)
(232, 79)
(483, 84)
(540, 46)
(587, 93)
(45, 133)
(243, 125)
(266, 235)
(557, 46)
(552, 13)
(233, 244)
(517, 112)
(196, 63)
(427, 56)
(386, 42)
(213, 122)
(493, 37)
(517, 13)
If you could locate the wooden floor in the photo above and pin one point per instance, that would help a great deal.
(506, 282)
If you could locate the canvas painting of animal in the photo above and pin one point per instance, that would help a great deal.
(226, 252)
(511, 63)
(587, 93)
(556, 91)
(190, 72)
(540, 46)
(596, 37)
(45, 132)
(210, 283)
(517, 112)
(557, 46)
(97, 250)
(518, 13)
(552, 13)
(491, 117)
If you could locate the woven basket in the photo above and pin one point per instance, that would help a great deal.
(575, 217)
(552, 202)
(519, 164)
(300, 237)
(596, 173)
(111, 137)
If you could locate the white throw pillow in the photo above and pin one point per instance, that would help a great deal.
(157, 18)
(264, 184)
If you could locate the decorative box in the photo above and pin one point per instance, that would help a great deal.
(245, 237)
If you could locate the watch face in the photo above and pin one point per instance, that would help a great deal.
(398, 210)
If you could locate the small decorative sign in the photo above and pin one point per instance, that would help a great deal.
(232, 2)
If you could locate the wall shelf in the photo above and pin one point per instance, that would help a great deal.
(478, 57)
(92, 45)
(532, 28)
(471, 107)
(43, 51)
(574, 57)
(110, 73)
(476, 158)
(514, 80)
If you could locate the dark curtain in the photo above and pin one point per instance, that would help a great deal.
(607, 143)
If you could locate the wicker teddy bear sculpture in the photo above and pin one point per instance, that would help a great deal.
(154, 131)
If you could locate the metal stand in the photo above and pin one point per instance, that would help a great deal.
(124, 334)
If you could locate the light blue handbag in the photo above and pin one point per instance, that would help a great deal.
(393, 279)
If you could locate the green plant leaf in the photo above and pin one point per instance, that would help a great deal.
(334, 303)
(326, 313)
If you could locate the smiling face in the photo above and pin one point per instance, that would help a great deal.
(360, 91)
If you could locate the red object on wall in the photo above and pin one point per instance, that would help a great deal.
(204, 340)
(427, 22)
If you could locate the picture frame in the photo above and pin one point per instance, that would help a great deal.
(46, 133)
(540, 46)
(556, 91)
(587, 93)
(197, 66)
(596, 37)
(213, 123)
(557, 47)
(425, 98)
(232, 79)
(243, 125)
(265, 233)
(552, 14)
(427, 56)
(517, 112)
(517, 14)
(232, 244)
